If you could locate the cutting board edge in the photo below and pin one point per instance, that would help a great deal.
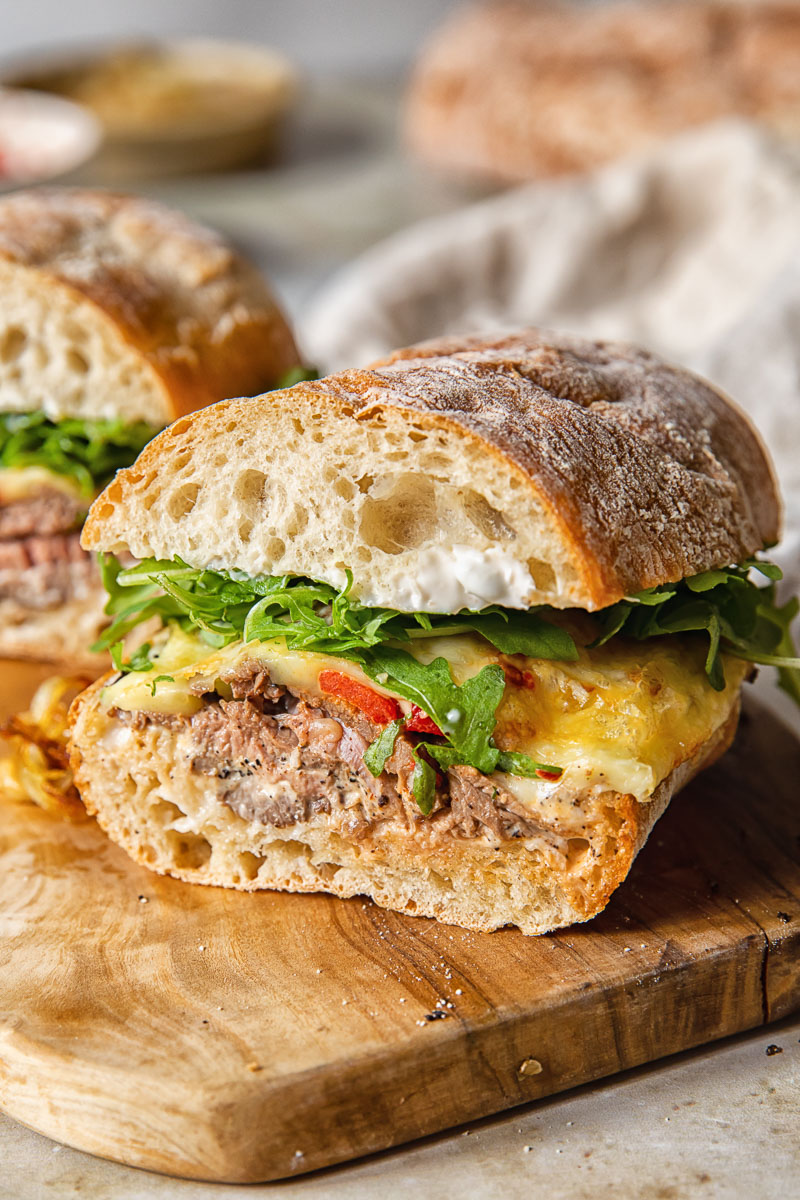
(448, 1058)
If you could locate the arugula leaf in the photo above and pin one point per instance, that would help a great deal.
(160, 679)
(532, 636)
(423, 784)
(227, 605)
(521, 764)
(87, 451)
(138, 661)
(377, 754)
(739, 618)
(295, 375)
(465, 713)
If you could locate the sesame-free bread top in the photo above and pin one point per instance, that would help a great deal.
(115, 306)
(532, 468)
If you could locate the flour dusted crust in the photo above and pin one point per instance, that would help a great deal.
(146, 797)
(115, 306)
(583, 470)
(518, 89)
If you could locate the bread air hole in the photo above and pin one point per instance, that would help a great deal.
(297, 520)
(188, 850)
(250, 864)
(577, 849)
(12, 342)
(250, 487)
(77, 363)
(344, 488)
(542, 574)
(183, 500)
(486, 519)
(404, 519)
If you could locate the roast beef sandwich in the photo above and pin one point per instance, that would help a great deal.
(117, 316)
(448, 632)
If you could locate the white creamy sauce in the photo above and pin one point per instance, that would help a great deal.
(448, 578)
(116, 736)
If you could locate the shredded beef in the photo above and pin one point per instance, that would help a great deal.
(49, 511)
(282, 755)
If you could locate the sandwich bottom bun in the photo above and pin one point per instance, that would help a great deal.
(171, 818)
(59, 635)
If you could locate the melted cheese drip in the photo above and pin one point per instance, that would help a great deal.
(621, 717)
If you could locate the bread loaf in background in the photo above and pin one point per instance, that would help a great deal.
(516, 90)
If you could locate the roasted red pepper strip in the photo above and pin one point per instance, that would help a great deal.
(549, 774)
(420, 722)
(380, 709)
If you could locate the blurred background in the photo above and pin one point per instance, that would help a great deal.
(308, 131)
(342, 37)
(329, 181)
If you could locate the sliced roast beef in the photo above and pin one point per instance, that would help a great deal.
(22, 553)
(44, 572)
(49, 511)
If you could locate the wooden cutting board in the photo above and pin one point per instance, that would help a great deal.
(238, 1038)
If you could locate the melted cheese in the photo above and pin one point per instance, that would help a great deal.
(621, 717)
(20, 483)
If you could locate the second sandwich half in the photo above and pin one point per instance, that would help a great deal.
(117, 316)
(448, 631)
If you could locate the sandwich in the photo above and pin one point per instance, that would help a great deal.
(118, 316)
(511, 90)
(449, 632)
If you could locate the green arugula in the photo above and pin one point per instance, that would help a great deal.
(738, 617)
(87, 451)
(377, 755)
(423, 784)
(295, 375)
(227, 606)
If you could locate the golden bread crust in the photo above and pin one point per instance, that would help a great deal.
(519, 90)
(197, 312)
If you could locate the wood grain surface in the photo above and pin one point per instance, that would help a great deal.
(234, 1037)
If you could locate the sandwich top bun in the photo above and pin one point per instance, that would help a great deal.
(532, 468)
(518, 90)
(116, 307)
